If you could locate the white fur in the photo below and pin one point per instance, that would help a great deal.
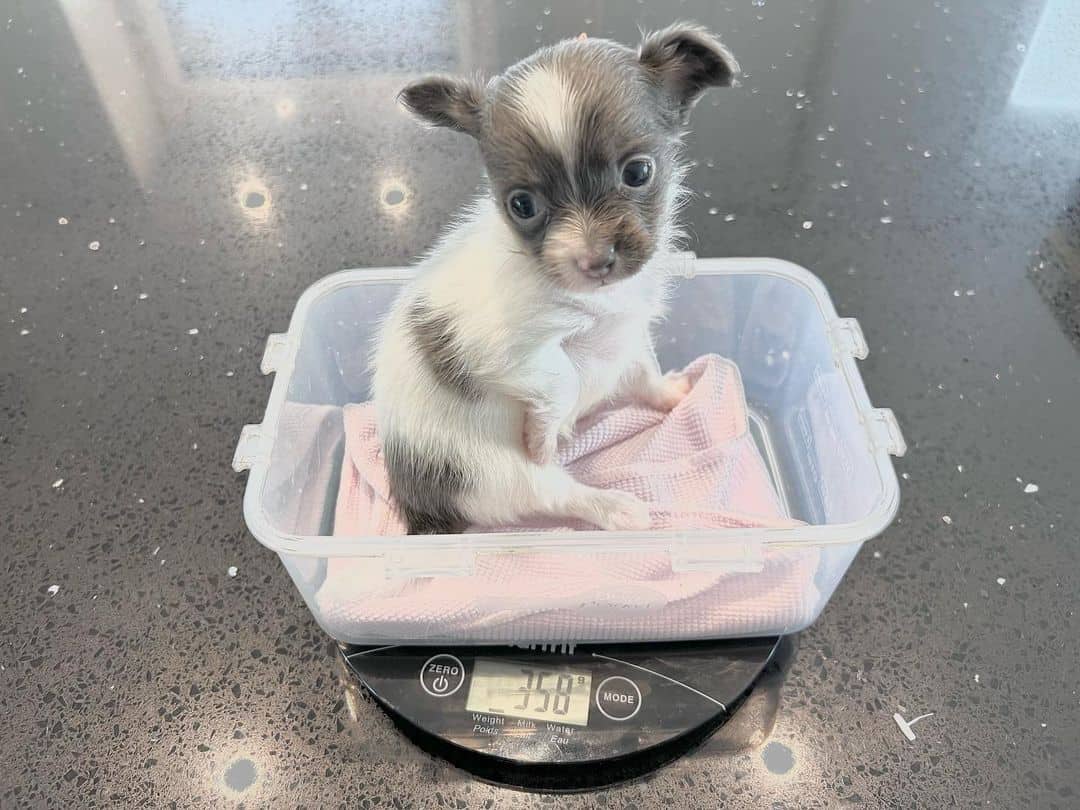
(544, 355)
(547, 102)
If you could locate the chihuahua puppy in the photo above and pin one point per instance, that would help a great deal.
(538, 305)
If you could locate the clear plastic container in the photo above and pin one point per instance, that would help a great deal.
(826, 448)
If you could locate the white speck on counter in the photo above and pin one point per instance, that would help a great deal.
(976, 677)
(946, 520)
(193, 331)
(906, 476)
(62, 221)
(53, 590)
(1031, 488)
(95, 245)
(886, 220)
(877, 555)
(956, 293)
(112, 220)
(713, 212)
(926, 153)
(232, 570)
(905, 725)
(195, 446)
(229, 373)
(156, 550)
(807, 224)
(965, 605)
(303, 186)
(729, 217)
(959, 467)
(59, 482)
(24, 332)
(1001, 580)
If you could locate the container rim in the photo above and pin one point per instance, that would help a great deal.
(685, 265)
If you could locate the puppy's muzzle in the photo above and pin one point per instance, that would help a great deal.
(596, 262)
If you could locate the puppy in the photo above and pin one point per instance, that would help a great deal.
(537, 306)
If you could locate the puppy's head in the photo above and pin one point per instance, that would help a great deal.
(581, 143)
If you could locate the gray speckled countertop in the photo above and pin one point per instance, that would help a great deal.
(135, 671)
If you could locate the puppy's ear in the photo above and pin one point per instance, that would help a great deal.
(446, 101)
(686, 60)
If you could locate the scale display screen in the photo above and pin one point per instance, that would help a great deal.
(528, 691)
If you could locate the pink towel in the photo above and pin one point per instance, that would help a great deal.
(697, 466)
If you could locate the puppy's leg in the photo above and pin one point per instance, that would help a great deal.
(542, 430)
(512, 489)
(549, 390)
(609, 509)
(644, 383)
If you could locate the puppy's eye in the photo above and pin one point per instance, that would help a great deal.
(523, 205)
(637, 171)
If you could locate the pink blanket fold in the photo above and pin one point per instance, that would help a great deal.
(697, 466)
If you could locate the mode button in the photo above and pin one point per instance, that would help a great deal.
(618, 698)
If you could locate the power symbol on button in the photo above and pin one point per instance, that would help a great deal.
(442, 675)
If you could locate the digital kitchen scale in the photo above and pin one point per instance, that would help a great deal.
(599, 714)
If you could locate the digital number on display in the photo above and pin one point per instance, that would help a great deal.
(527, 691)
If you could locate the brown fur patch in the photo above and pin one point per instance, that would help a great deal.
(436, 340)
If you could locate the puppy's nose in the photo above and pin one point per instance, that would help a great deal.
(596, 262)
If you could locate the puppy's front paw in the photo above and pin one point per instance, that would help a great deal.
(621, 512)
(669, 391)
(566, 429)
(541, 442)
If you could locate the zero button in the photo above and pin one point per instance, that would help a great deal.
(442, 675)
